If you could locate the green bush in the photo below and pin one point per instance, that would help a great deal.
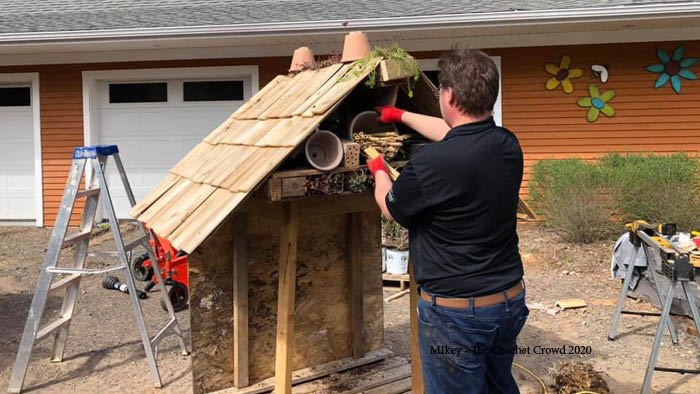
(590, 201)
(658, 189)
(571, 195)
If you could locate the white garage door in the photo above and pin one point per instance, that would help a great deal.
(16, 154)
(156, 123)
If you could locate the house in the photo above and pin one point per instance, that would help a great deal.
(157, 76)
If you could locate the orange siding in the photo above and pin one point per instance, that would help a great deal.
(550, 124)
(62, 114)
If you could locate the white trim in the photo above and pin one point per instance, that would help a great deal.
(91, 79)
(509, 18)
(268, 46)
(432, 65)
(33, 79)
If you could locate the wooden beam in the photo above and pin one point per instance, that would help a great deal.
(356, 294)
(266, 209)
(240, 300)
(285, 300)
(338, 205)
(416, 366)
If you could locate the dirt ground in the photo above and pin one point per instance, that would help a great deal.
(104, 353)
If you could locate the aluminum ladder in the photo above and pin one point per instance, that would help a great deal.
(70, 276)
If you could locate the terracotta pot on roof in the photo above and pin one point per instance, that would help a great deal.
(303, 58)
(356, 46)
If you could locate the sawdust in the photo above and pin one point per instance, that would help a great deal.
(574, 376)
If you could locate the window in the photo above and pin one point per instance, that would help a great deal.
(138, 92)
(15, 97)
(213, 91)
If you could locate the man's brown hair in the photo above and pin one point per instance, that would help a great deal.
(473, 77)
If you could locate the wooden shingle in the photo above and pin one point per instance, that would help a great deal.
(211, 181)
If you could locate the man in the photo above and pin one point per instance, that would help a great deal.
(458, 198)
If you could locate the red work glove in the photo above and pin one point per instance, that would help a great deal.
(389, 114)
(377, 164)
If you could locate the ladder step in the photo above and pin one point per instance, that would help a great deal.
(103, 254)
(77, 237)
(51, 327)
(64, 282)
(140, 241)
(87, 193)
(161, 334)
(84, 271)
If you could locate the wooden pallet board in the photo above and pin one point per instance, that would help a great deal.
(312, 373)
(403, 280)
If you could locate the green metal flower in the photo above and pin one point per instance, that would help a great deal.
(598, 103)
(673, 68)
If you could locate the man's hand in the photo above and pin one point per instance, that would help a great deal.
(389, 114)
(377, 164)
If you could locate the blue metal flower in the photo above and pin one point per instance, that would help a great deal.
(673, 68)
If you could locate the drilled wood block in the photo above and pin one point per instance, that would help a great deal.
(351, 154)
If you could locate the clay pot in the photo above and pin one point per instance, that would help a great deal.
(303, 58)
(368, 123)
(356, 46)
(324, 151)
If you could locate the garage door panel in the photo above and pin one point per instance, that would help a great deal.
(159, 152)
(117, 122)
(193, 119)
(20, 179)
(18, 153)
(153, 137)
(20, 207)
(158, 122)
(17, 163)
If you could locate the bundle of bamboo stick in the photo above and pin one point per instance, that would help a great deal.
(387, 143)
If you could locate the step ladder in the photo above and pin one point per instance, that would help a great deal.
(96, 192)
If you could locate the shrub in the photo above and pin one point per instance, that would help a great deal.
(655, 188)
(580, 198)
(572, 196)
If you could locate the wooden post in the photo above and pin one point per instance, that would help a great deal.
(356, 296)
(285, 301)
(416, 367)
(240, 300)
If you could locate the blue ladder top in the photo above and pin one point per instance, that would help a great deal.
(91, 152)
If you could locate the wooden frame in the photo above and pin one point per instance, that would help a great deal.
(285, 303)
(355, 265)
(240, 300)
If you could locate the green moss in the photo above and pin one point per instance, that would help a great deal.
(407, 65)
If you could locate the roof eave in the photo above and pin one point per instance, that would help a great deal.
(510, 18)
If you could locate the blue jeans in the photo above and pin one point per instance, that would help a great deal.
(470, 351)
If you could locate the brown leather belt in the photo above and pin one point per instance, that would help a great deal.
(479, 302)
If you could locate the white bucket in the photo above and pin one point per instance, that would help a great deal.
(383, 259)
(397, 261)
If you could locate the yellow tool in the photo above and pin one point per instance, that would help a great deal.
(667, 229)
(373, 153)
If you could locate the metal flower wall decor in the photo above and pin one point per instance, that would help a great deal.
(562, 75)
(673, 68)
(597, 103)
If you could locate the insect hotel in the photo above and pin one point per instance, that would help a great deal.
(280, 223)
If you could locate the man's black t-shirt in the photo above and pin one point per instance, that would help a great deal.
(458, 198)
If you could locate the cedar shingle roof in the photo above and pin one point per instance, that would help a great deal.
(216, 175)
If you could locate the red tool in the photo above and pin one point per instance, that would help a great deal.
(173, 271)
